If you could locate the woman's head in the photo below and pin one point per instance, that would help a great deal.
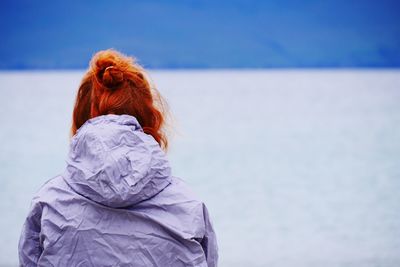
(116, 84)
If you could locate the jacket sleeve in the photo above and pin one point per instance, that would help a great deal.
(29, 247)
(209, 241)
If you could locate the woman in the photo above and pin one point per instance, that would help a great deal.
(116, 203)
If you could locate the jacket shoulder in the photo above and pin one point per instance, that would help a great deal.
(180, 190)
(51, 189)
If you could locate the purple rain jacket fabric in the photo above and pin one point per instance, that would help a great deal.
(116, 204)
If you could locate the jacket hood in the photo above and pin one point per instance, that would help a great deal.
(113, 162)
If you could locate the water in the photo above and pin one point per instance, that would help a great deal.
(298, 168)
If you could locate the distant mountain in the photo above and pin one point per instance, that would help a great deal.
(202, 34)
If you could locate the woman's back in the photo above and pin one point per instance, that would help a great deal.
(117, 203)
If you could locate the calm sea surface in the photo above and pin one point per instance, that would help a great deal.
(298, 168)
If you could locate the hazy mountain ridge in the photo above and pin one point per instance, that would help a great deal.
(202, 34)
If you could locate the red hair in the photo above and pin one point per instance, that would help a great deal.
(116, 84)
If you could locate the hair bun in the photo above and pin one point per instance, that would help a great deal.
(112, 77)
(108, 67)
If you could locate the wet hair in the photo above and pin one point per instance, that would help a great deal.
(117, 84)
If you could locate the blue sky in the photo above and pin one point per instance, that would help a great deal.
(202, 34)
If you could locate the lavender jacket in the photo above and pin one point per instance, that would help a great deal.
(116, 204)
